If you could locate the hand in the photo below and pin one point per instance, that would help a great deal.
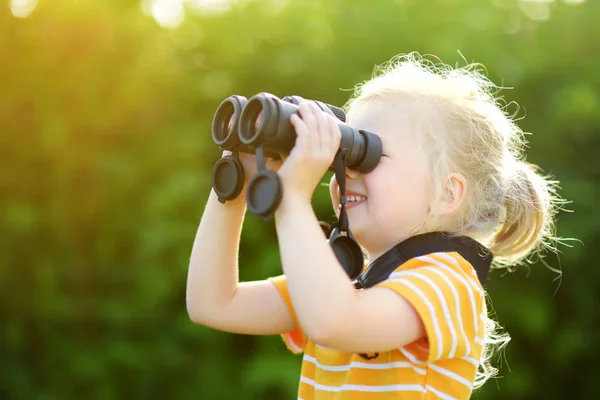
(318, 140)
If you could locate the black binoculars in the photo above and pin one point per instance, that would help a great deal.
(260, 125)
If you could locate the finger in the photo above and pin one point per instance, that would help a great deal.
(302, 143)
(307, 114)
(328, 138)
(324, 138)
(336, 133)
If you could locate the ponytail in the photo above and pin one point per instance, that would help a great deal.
(529, 212)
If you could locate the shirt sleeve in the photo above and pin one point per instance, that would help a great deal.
(294, 340)
(444, 291)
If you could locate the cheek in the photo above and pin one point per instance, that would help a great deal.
(405, 186)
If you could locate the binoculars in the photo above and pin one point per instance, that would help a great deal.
(260, 125)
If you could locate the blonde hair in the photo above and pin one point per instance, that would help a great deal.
(509, 206)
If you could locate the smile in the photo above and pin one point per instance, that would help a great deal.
(353, 201)
(350, 199)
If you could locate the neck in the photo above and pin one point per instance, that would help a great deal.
(374, 254)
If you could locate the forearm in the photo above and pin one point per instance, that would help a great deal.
(213, 269)
(319, 287)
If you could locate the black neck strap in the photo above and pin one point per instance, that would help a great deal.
(434, 242)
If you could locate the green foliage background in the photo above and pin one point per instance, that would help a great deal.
(105, 166)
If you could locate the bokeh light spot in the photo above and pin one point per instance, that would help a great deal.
(22, 8)
(166, 13)
(537, 10)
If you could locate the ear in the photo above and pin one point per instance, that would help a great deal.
(333, 192)
(455, 191)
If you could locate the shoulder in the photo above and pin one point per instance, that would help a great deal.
(444, 290)
(450, 264)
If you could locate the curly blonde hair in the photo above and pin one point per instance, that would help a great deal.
(509, 206)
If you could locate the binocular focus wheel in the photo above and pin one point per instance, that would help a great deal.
(264, 193)
(348, 253)
(228, 178)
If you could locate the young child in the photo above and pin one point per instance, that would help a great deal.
(452, 161)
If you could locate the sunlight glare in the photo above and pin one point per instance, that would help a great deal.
(22, 8)
(167, 13)
(170, 13)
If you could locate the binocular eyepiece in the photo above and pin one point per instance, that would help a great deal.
(261, 125)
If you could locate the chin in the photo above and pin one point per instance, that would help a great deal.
(357, 232)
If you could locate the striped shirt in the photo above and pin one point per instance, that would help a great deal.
(444, 290)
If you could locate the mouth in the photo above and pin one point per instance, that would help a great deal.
(353, 200)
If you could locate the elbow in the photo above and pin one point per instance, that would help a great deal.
(196, 314)
(204, 307)
(330, 326)
(200, 317)
(323, 337)
(326, 330)
(197, 305)
(205, 312)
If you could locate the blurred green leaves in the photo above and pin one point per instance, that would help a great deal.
(106, 159)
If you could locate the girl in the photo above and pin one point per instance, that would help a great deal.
(452, 161)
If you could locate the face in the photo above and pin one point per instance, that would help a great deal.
(397, 194)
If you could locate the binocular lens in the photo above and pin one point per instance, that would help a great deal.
(252, 121)
(225, 122)
(258, 122)
(230, 124)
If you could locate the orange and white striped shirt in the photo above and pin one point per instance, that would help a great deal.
(444, 290)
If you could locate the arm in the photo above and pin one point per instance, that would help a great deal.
(330, 310)
(214, 297)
